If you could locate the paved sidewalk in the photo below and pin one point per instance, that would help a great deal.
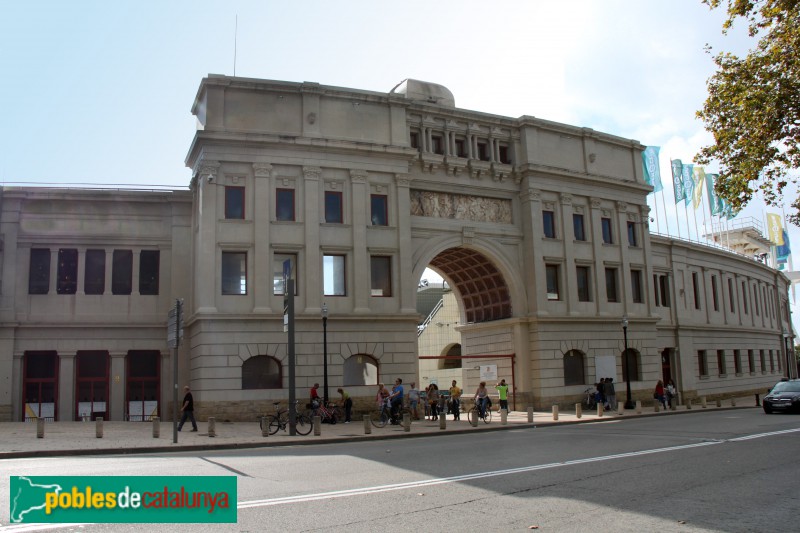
(19, 439)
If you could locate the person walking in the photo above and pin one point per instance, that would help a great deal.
(314, 395)
(610, 394)
(413, 400)
(187, 409)
(658, 394)
(482, 398)
(670, 393)
(455, 401)
(396, 399)
(433, 400)
(347, 403)
(502, 390)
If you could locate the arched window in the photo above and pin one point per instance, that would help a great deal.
(634, 365)
(261, 372)
(452, 350)
(360, 369)
(574, 373)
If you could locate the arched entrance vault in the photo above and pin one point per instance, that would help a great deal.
(483, 289)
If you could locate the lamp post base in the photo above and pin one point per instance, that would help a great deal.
(630, 404)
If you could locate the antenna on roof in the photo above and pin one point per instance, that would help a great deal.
(235, 36)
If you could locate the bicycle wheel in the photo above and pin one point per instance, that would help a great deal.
(338, 414)
(380, 418)
(274, 425)
(487, 415)
(303, 425)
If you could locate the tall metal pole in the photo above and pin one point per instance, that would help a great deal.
(325, 354)
(292, 360)
(628, 402)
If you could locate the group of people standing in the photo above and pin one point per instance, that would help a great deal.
(664, 395)
(606, 394)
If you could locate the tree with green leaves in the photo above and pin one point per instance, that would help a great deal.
(753, 106)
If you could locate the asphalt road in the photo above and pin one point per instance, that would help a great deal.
(705, 471)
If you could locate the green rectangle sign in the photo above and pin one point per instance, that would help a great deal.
(123, 499)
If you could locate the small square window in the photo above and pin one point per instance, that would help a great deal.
(611, 285)
(607, 236)
(637, 294)
(552, 282)
(234, 202)
(284, 208)
(381, 278)
(632, 241)
(379, 210)
(584, 293)
(333, 207)
(577, 223)
(549, 223)
(234, 273)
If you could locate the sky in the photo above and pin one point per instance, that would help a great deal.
(99, 92)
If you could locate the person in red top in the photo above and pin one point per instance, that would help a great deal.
(314, 395)
(659, 394)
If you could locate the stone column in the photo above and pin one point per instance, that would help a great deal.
(115, 410)
(567, 238)
(262, 264)
(206, 256)
(408, 294)
(66, 387)
(313, 216)
(360, 260)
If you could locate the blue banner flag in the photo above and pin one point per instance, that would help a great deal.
(783, 251)
(688, 182)
(677, 180)
(652, 170)
(714, 201)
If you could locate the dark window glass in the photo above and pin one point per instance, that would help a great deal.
(94, 280)
(574, 368)
(380, 216)
(436, 145)
(744, 297)
(381, 268)
(284, 208)
(122, 272)
(483, 151)
(67, 271)
(148, 271)
(461, 148)
(714, 297)
(261, 372)
(607, 235)
(763, 361)
(577, 223)
(663, 285)
(737, 361)
(234, 273)
(40, 365)
(721, 363)
(414, 139)
(234, 202)
(584, 295)
(632, 234)
(39, 272)
(552, 282)
(751, 361)
(702, 361)
(611, 285)
(504, 157)
(731, 295)
(333, 207)
(143, 364)
(696, 290)
(549, 222)
(636, 287)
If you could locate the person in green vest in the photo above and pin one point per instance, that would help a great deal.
(502, 389)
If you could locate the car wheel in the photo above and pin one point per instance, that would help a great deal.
(768, 410)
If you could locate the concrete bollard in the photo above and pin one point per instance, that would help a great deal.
(638, 407)
(473, 418)
(600, 410)
(40, 428)
(442, 421)
(689, 405)
(578, 410)
(719, 402)
(98, 427)
(317, 423)
(555, 412)
(156, 427)
(703, 402)
(407, 422)
(620, 408)
(733, 402)
(503, 417)
(656, 407)
(264, 426)
(367, 425)
(212, 426)
(530, 414)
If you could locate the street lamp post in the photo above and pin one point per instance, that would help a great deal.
(325, 354)
(628, 402)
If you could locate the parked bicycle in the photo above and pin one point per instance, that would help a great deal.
(590, 402)
(474, 414)
(280, 420)
(381, 417)
(330, 414)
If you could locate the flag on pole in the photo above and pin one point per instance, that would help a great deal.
(688, 182)
(677, 180)
(652, 170)
(775, 228)
(714, 201)
(783, 250)
(699, 178)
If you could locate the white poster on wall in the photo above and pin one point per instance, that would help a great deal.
(605, 366)
(488, 372)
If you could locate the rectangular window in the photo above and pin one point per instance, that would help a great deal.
(606, 225)
(381, 270)
(744, 297)
(611, 285)
(731, 296)
(333, 275)
(122, 272)
(771, 361)
(461, 147)
(234, 273)
(67, 281)
(584, 294)
(149, 262)
(284, 204)
(333, 207)
(549, 223)
(696, 290)
(577, 224)
(637, 292)
(702, 360)
(763, 357)
(663, 285)
(277, 273)
(437, 147)
(414, 139)
(94, 279)
(502, 150)
(714, 297)
(39, 271)
(234, 202)
(755, 300)
(721, 363)
(379, 210)
(751, 361)
(552, 282)
(483, 151)
(632, 240)
(737, 362)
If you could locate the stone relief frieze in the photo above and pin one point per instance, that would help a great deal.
(460, 207)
